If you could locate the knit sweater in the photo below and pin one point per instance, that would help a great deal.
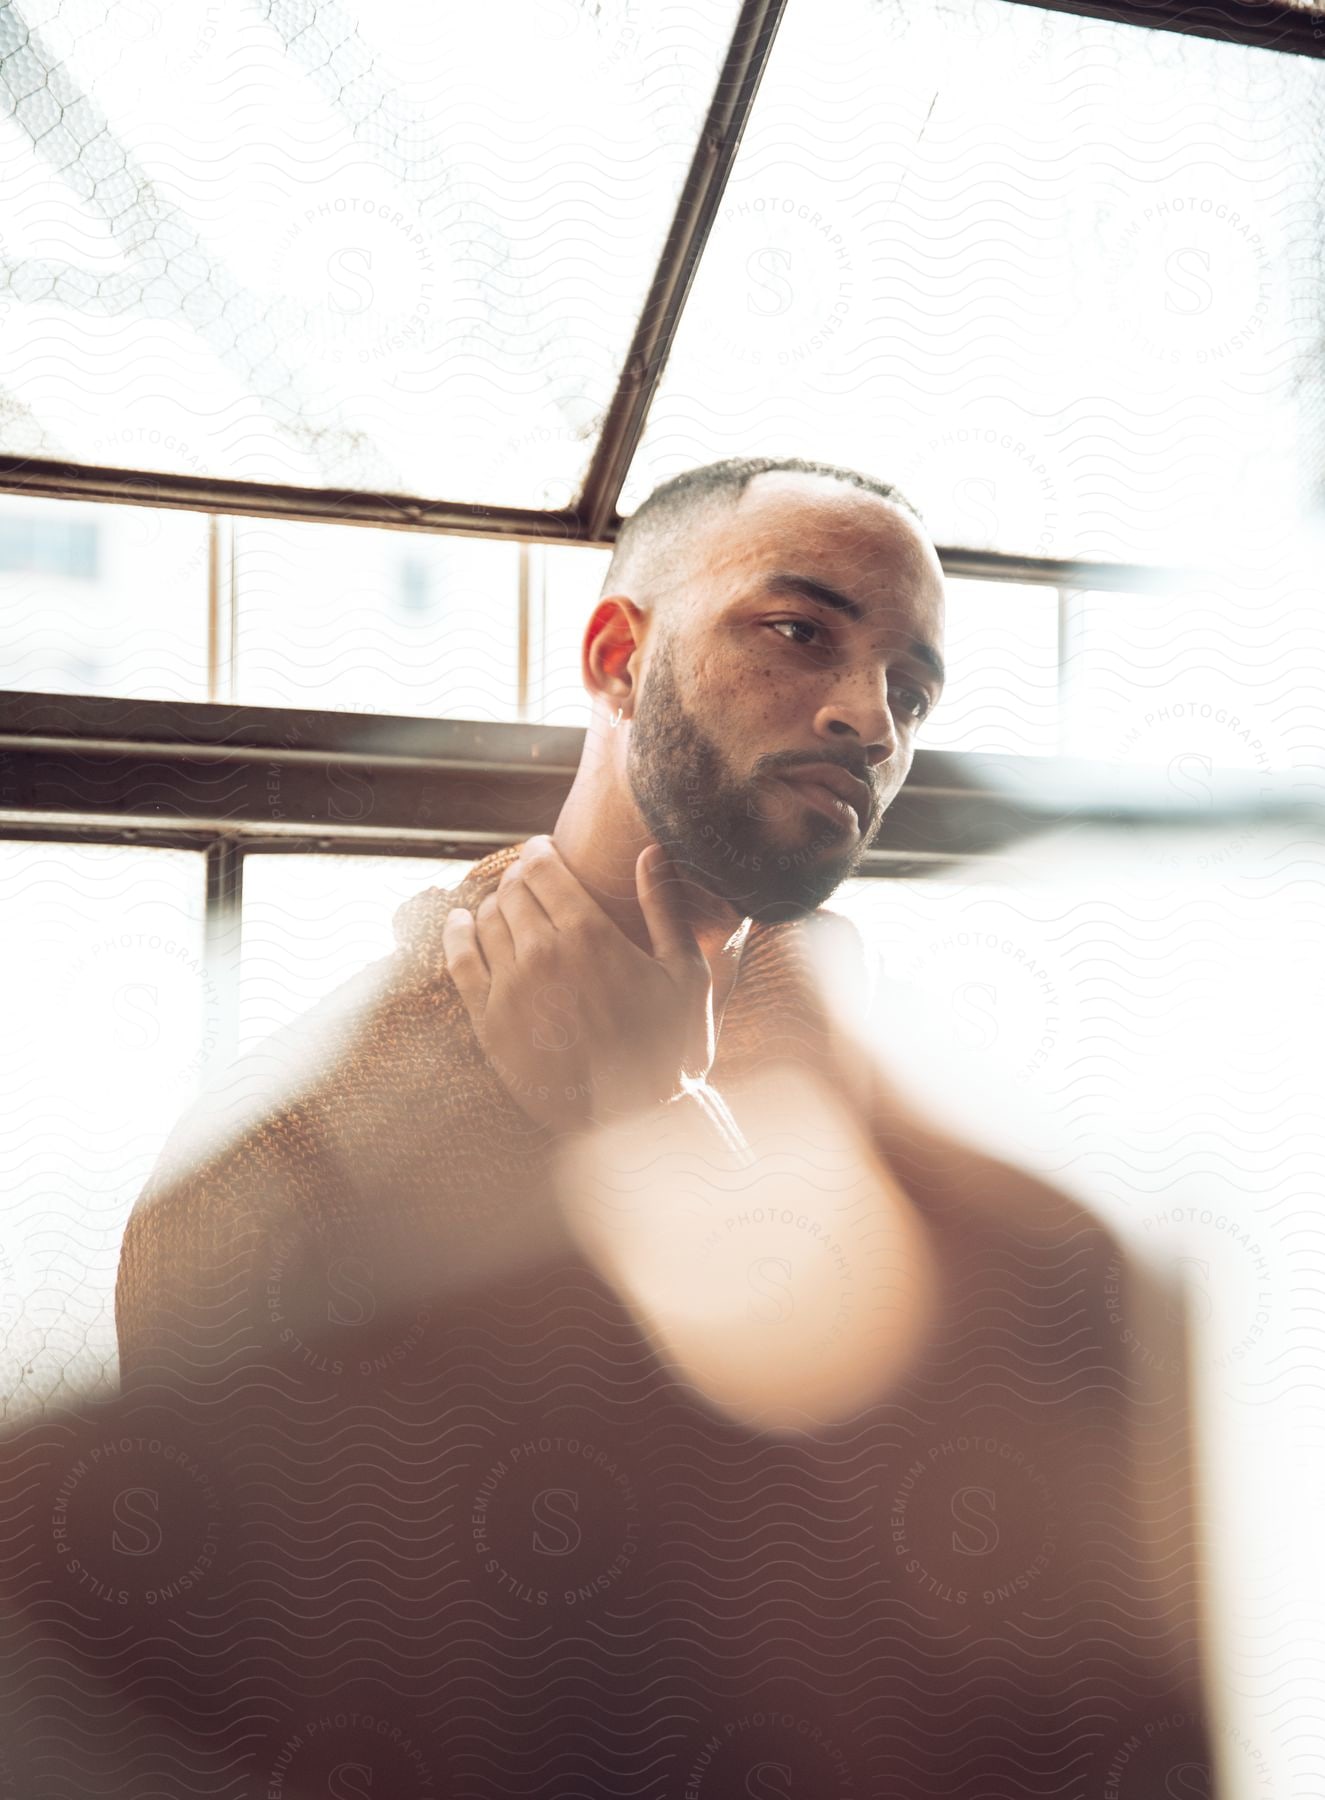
(378, 1115)
(472, 1491)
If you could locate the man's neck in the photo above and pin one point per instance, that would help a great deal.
(600, 839)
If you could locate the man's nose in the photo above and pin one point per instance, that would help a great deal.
(860, 711)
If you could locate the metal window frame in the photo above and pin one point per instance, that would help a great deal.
(1259, 24)
(1272, 25)
(96, 769)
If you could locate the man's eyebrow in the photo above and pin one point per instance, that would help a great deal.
(782, 581)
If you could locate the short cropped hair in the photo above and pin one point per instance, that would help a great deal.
(653, 529)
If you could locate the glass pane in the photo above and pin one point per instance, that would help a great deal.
(1224, 678)
(1001, 653)
(101, 599)
(1126, 1025)
(111, 1022)
(1057, 278)
(355, 619)
(394, 247)
(571, 579)
(310, 922)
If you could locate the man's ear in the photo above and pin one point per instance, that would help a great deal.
(613, 650)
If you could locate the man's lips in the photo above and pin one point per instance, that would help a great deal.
(824, 800)
(835, 792)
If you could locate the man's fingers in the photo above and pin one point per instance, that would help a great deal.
(494, 935)
(528, 923)
(465, 962)
(660, 898)
(569, 905)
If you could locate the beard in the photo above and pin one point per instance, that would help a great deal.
(730, 835)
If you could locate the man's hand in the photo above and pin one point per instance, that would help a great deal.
(581, 1026)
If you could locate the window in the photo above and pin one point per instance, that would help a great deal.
(1060, 279)
(436, 301)
(113, 1021)
(288, 966)
(372, 621)
(103, 599)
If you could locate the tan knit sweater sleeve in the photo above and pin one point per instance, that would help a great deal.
(249, 1157)
(371, 1127)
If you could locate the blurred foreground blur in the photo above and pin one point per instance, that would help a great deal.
(697, 1470)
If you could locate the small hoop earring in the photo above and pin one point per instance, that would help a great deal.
(616, 717)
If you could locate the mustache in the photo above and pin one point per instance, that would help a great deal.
(859, 770)
(853, 766)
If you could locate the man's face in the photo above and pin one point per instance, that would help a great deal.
(758, 682)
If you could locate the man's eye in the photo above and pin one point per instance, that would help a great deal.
(915, 703)
(796, 624)
(912, 701)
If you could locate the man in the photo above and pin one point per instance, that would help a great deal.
(623, 1391)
